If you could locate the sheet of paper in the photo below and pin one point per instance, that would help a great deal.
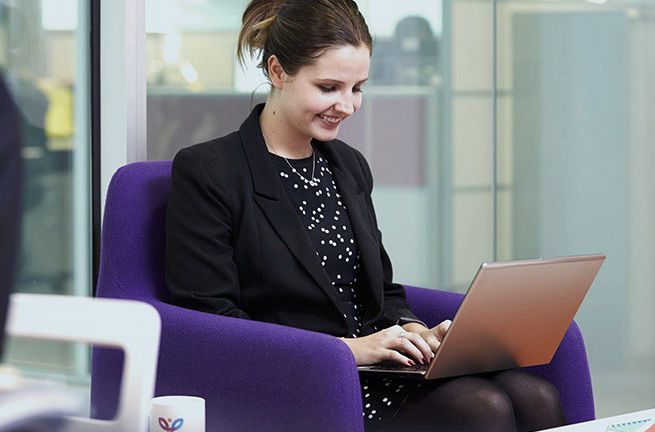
(633, 426)
(648, 427)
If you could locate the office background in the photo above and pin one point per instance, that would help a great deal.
(496, 130)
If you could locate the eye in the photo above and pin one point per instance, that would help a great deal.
(326, 89)
(357, 90)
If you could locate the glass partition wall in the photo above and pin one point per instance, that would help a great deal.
(44, 60)
(496, 130)
(575, 155)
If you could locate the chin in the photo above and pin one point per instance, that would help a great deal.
(325, 138)
(324, 135)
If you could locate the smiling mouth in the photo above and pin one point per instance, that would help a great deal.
(333, 121)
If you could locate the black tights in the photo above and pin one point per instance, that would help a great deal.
(504, 402)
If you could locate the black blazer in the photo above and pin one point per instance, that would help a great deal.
(236, 247)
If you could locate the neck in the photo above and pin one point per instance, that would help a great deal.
(279, 137)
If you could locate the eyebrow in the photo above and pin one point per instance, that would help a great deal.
(340, 82)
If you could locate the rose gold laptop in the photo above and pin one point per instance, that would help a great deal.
(515, 314)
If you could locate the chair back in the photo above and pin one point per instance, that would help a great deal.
(131, 264)
(133, 233)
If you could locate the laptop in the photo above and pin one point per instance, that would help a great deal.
(514, 314)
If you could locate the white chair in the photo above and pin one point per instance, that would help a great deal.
(130, 325)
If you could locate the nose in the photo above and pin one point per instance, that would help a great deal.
(346, 104)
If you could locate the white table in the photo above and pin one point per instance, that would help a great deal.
(36, 408)
(601, 424)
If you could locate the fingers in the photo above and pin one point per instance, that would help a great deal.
(419, 349)
(410, 344)
(406, 345)
(399, 358)
(435, 335)
(442, 328)
(432, 340)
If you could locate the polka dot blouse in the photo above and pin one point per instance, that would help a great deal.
(322, 212)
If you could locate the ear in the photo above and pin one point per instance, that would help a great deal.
(276, 72)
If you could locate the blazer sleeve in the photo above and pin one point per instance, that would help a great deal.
(200, 271)
(395, 308)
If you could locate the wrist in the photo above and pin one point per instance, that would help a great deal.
(414, 327)
(350, 343)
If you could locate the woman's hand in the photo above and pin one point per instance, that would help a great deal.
(393, 343)
(435, 335)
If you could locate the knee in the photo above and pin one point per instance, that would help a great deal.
(546, 395)
(491, 402)
(463, 404)
(481, 405)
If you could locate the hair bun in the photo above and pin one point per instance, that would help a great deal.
(256, 23)
(297, 31)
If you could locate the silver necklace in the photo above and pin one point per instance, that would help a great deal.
(314, 181)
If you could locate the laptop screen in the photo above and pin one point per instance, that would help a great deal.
(10, 203)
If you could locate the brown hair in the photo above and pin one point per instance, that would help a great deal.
(299, 31)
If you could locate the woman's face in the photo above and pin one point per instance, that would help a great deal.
(318, 98)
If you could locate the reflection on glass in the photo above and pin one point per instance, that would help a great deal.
(40, 61)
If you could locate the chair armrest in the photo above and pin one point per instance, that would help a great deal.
(252, 372)
(258, 376)
(433, 306)
(568, 370)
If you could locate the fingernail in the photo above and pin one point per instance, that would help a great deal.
(424, 360)
(411, 363)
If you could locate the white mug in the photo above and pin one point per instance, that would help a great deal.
(177, 414)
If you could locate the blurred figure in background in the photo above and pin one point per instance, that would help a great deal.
(408, 58)
(10, 197)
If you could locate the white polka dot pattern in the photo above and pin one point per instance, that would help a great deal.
(381, 399)
(320, 209)
(325, 217)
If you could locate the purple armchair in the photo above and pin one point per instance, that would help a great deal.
(253, 375)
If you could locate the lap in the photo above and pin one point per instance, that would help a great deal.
(494, 401)
(512, 382)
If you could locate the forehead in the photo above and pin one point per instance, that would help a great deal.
(342, 63)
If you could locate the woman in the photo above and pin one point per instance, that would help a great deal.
(275, 223)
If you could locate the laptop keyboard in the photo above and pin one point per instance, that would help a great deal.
(390, 366)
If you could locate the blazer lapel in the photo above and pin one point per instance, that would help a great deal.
(275, 204)
(355, 200)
